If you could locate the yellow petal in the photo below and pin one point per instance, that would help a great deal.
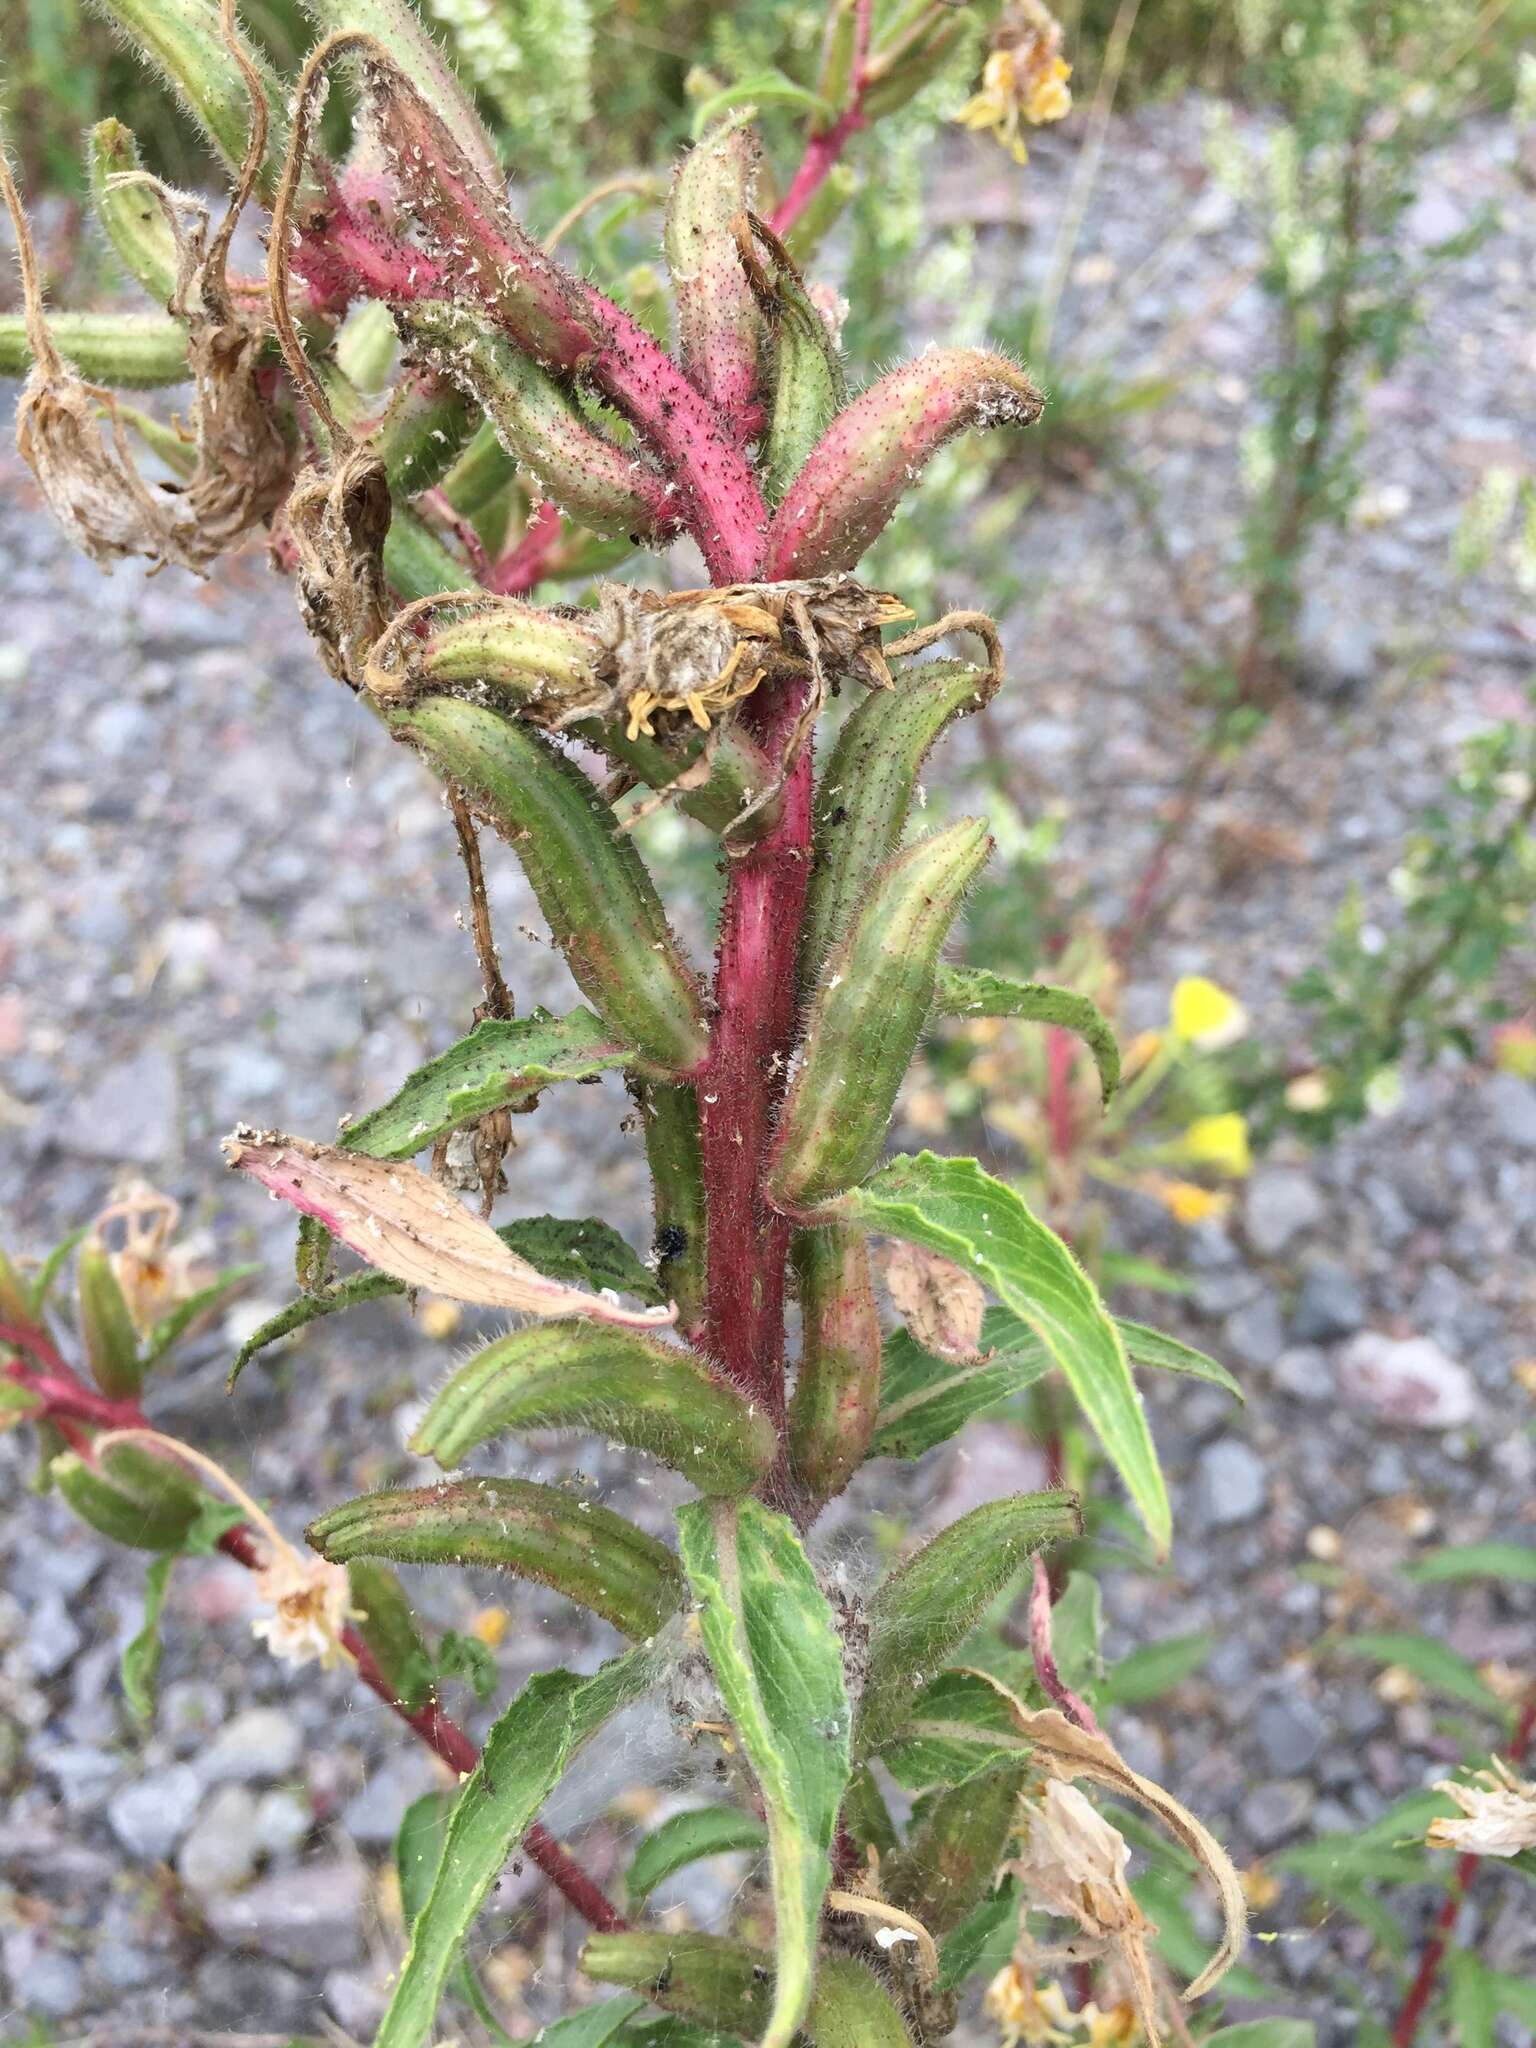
(1204, 1014)
(1219, 1142)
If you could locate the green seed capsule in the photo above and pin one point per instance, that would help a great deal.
(111, 1341)
(131, 214)
(182, 39)
(610, 489)
(537, 657)
(591, 884)
(614, 1382)
(718, 323)
(950, 1861)
(805, 383)
(128, 351)
(722, 1983)
(675, 1155)
(868, 1013)
(425, 426)
(538, 1533)
(837, 1391)
(865, 794)
(416, 564)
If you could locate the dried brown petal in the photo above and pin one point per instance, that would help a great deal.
(940, 1303)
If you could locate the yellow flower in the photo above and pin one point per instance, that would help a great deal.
(1024, 79)
(1219, 1142)
(1514, 1050)
(1203, 1014)
(1187, 1202)
(490, 1626)
(1026, 2013)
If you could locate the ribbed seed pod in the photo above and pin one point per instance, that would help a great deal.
(182, 39)
(132, 216)
(869, 1010)
(610, 489)
(416, 563)
(718, 324)
(591, 884)
(538, 658)
(128, 351)
(584, 1551)
(804, 383)
(674, 1154)
(865, 793)
(425, 425)
(837, 1390)
(721, 1983)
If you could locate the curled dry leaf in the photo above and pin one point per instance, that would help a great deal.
(1498, 1814)
(1069, 1752)
(940, 1303)
(406, 1224)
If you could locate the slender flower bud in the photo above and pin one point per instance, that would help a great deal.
(804, 383)
(425, 425)
(135, 224)
(868, 458)
(868, 1013)
(111, 1341)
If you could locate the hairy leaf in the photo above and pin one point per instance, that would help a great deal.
(525, 1754)
(405, 1223)
(141, 1655)
(686, 1838)
(502, 1063)
(957, 1210)
(383, 1618)
(976, 992)
(723, 1983)
(778, 1662)
(540, 1533)
(655, 1397)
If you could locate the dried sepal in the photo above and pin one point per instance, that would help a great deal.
(408, 1225)
(337, 526)
(869, 457)
(941, 1304)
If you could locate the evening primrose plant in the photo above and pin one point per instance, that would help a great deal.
(428, 414)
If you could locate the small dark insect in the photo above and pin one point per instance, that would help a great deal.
(838, 816)
(664, 1982)
(671, 1241)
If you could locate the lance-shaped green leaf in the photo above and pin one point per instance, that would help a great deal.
(582, 1250)
(605, 487)
(654, 1397)
(687, 1838)
(384, 1619)
(777, 1660)
(867, 1016)
(837, 1386)
(804, 385)
(602, 2026)
(592, 886)
(411, 1227)
(525, 1754)
(131, 1495)
(951, 1858)
(865, 463)
(865, 794)
(974, 992)
(958, 1724)
(140, 1665)
(578, 1548)
(128, 209)
(183, 40)
(930, 1604)
(962, 1213)
(718, 324)
(128, 351)
(111, 1341)
(419, 1848)
(502, 1064)
(924, 1400)
(174, 1324)
(717, 1982)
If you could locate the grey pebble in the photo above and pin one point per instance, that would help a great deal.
(309, 1917)
(1255, 1335)
(52, 1639)
(129, 1116)
(261, 1743)
(1230, 1484)
(1273, 1811)
(150, 1816)
(222, 1850)
(1289, 1731)
(1330, 1306)
(1280, 1204)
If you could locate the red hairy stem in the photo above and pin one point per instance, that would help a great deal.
(36, 1343)
(1427, 1976)
(1052, 1684)
(530, 559)
(1060, 1051)
(821, 153)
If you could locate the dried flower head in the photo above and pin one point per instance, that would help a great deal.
(155, 1275)
(1023, 80)
(313, 1605)
(1074, 1864)
(1498, 1814)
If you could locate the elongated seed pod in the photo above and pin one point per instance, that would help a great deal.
(652, 1396)
(610, 489)
(535, 657)
(934, 1600)
(738, 771)
(837, 1391)
(111, 1341)
(950, 1862)
(183, 40)
(416, 563)
(718, 323)
(584, 1551)
(804, 383)
(132, 1496)
(425, 426)
(128, 209)
(675, 1155)
(866, 461)
(720, 1982)
(401, 30)
(481, 480)
(869, 1010)
(383, 1618)
(592, 886)
(865, 793)
(128, 351)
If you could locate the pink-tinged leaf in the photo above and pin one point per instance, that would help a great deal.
(870, 456)
(406, 1224)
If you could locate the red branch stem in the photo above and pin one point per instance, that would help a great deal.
(1052, 1684)
(1427, 1976)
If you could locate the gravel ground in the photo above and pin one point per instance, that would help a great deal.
(226, 896)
